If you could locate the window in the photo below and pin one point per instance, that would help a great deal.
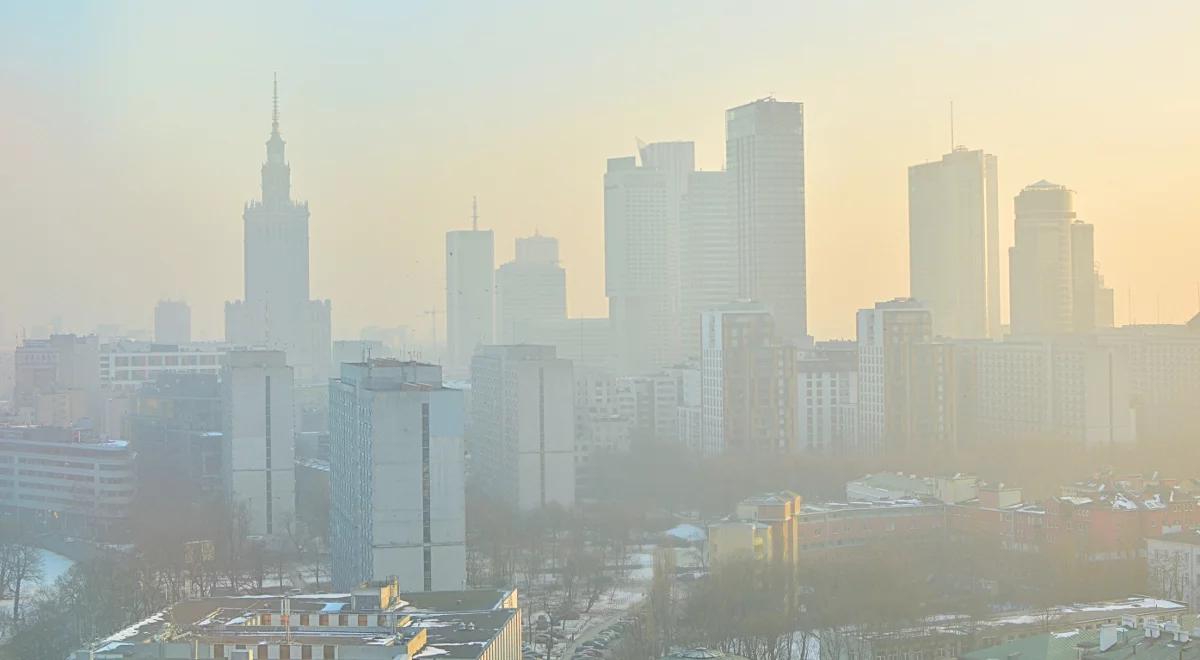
(304, 619)
(285, 652)
(362, 620)
(219, 651)
(328, 652)
(306, 652)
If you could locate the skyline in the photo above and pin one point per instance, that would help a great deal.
(377, 172)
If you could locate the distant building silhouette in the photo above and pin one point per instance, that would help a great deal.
(470, 260)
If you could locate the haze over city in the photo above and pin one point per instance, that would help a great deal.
(599, 331)
(133, 133)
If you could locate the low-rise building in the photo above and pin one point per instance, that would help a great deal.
(374, 622)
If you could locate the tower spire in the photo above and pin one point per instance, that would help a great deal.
(474, 213)
(275, 103)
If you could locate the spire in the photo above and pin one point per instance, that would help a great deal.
(275, 104)
(474, 213)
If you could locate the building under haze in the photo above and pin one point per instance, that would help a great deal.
(397, 476)
(470, 260)
(530, 289)
(708, 253)
(276, 312)
(258, 459)
(748, 381)
(521, 435)
(56, 381)
(172, 322)
(639, 279)
(1055, 287)
(827, 385)
(764, 158)
(953, 242)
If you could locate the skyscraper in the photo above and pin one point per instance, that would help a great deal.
(470, 260)
(397, 476)
(257, 455)
(172, 322)
(764, 157)
(277, 312)
(530, 289)
(954, 232)
(522, 430)
(708, 260)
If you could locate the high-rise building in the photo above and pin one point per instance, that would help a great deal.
(1055, 286)
(258, 451)
(586, 342)
(521, 435)
(277, 313)
(172, 322)
(954, 235)
(899, 373)
(530, 289)
(397, 476)
(748, 382)
(827, 384)
(642, 206)
(764, 158)
(56, 381)
(708, 260)
(470, 261)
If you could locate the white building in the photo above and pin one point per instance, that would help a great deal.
(522, 426)
(827, 384)
(641, 259)
(172, 322)
(1173, 565)
(276, 312)
(764, 158)
(470, 260)
(651, 404)
(258, 452)
(126, 365)
(953, 239)
(708, 260)
(530, 289)
(398, 505)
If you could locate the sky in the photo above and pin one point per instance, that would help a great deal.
(131, 135)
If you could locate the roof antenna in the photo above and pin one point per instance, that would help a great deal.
(275, 102)
(952, 126)
(474, 214)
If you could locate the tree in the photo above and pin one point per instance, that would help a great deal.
(25, 565)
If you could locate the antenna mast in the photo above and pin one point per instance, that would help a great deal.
(474, 214)
(951, 126)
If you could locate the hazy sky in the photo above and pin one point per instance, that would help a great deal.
(131, 135)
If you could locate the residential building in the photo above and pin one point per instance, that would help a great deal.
(530, 289)
(56, 381)
(258, 435)
(1164, 368)
(276, 312)
(396, 472)
(905, 382)
(586, 342)
(375, 621)
(764, 159)
(522, 426)
(66, 480)
(651, 405)
(748, 382)
(470, 261)
(1173, 565)
(708, 259)
(172, 322)
(953, 239)
(827, 387)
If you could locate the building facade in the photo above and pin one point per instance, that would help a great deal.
(258, 440)
(172, 322)
(708, 259)
(522, 426)
(397, 476)
(953, 238)
(530, 289)
(470, 260)
(827, 386)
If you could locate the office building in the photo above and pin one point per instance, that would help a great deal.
(66, 480)
(639, 275)
(175, 427)
(127, 365)
(396, 468)
(708, 260)
(827, 384)
(748, 382)
(764, 159)
(522, 426)
(470, 261)
(258, 435)
(276, 313)
(586, 342)
(56, 381)
(172, 322)
(953, 242)
(530, 289)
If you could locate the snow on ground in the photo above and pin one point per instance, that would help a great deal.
(54, 566)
